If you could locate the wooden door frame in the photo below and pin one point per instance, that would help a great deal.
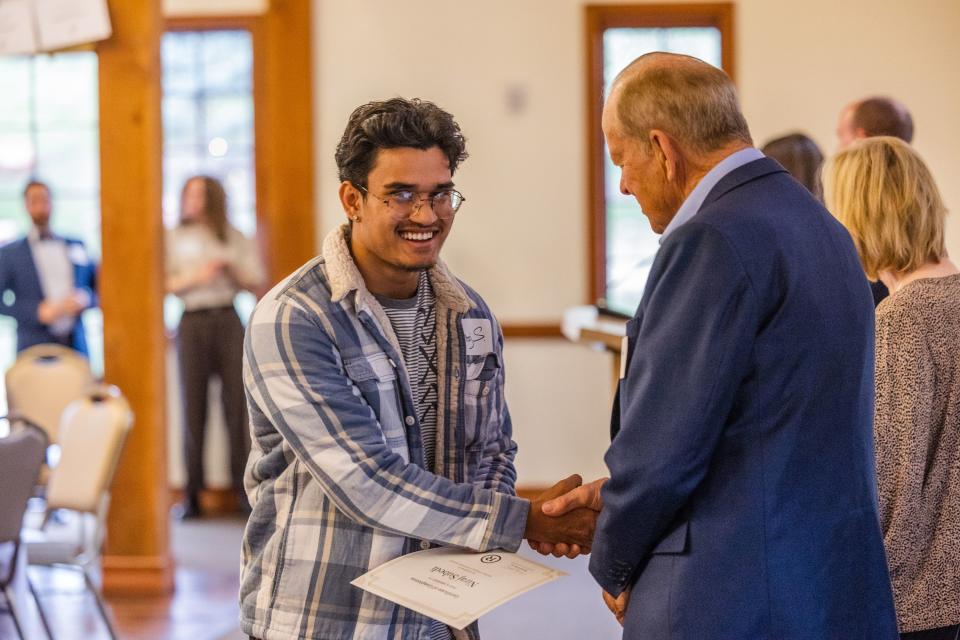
(598, 19)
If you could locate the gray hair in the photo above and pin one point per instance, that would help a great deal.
(685, 97)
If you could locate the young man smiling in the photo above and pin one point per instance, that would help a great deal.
(378, 427)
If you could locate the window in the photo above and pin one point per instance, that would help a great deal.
(208, 127)
(622, 245)
(49, 130)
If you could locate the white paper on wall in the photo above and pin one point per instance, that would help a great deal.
(17, 30)
(64, 23)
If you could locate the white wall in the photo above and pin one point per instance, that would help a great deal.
(520, 239)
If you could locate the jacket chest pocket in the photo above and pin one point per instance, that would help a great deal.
(481, 397)
(374, 379)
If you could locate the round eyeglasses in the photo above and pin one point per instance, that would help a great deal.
(406, 202)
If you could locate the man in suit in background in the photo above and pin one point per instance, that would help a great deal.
(46, 281)
(742, 498)
(876, 116)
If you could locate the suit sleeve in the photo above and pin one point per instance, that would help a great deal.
(692, 346)
(23, 307)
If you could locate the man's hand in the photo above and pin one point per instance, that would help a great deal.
(581, 496)
(48, 312)
(575, 527)
(618, 605)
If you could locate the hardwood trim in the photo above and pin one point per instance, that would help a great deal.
(533, 330)
(211, 23)
(131, 290)
(283, 74)
(137, 575)
(599, 18)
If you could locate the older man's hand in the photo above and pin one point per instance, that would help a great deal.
(573, 528)
(618, 605)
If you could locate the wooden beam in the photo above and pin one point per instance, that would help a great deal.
(283, 82)
(137, 557)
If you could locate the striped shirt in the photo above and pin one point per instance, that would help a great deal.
(337, 474)
(414, 322)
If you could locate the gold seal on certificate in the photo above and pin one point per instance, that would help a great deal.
(454, 586)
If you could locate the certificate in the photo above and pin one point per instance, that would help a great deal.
(454, 586)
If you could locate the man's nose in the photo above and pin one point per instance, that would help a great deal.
(623, 186)
(424, 212)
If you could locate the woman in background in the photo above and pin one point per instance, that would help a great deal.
(208, 263)
(801, 156)
(882, 191)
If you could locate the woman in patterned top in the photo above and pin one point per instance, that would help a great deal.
(882, 191)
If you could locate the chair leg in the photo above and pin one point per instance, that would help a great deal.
(12, 603)
(40, 611)
(100, 604)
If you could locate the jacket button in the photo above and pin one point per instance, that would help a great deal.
(409, 420)
(486, 391)
(456, 372)
(424, 545)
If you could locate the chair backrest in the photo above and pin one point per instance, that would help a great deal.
(92, 433)
(44, 379)
(21, 454)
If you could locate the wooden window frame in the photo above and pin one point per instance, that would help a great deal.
(598, 19)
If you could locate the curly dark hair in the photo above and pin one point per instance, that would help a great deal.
(389, 124)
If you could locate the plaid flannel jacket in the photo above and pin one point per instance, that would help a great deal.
(336, 475)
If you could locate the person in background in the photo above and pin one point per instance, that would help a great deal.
(207, 263)
(876, 116)
(801, 156)
(885, 195)
(46, 281)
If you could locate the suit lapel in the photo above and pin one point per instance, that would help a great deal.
(30, 267)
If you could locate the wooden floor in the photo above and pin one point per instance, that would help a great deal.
(203, 607)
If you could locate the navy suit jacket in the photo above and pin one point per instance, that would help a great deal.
(742, 498)
(19, 276)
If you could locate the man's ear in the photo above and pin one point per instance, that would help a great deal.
(350, 199)
(667, 153)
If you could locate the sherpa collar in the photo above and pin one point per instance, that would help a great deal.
(344, 277)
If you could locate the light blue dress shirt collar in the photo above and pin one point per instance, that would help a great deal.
(694, 201)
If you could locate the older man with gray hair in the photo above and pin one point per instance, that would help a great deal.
(742, 499)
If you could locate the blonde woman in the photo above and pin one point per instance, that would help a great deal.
(208, 263)
(882, 191)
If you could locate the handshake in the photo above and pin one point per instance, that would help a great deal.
(561, 522)
(562, 519)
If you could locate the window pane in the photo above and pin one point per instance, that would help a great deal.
(65, 96)
(180, 52)
(179, 120)
(78, 217)
(630, 243)
(68, 161)
(14, 107)
(227, 62)
(230, 118)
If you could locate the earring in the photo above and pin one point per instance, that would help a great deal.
(355, 218)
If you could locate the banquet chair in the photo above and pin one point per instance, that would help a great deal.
(21, 454)
(92, 433)
(43, 380)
